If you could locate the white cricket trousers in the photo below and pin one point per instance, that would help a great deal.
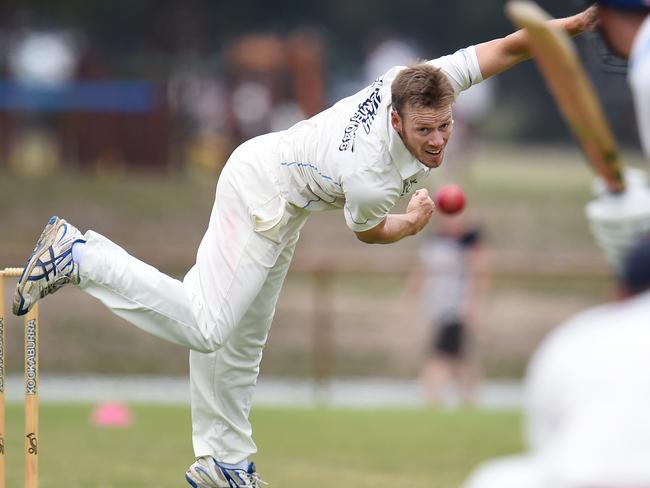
(224, 307)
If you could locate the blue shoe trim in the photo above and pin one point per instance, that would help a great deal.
(29, 259)
(41, 276)
(226, 473)
(21, 310)
(61, 257)
(22, 275)
(54, 263)
(187, 478)
(52, 259)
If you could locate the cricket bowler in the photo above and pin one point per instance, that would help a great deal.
(360, 156)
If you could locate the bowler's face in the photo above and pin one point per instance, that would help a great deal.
(425, 132)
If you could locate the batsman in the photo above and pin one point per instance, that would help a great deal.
(360, 156)
(570, 437)
(620, 213)
(618, 221)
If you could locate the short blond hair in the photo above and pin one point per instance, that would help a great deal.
(421, 86)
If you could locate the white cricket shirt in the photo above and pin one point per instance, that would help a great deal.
(349, 156)
(588, 395)
(447, 274)
(639, 76)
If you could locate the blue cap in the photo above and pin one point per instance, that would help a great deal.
(626, 4)
(635, 275)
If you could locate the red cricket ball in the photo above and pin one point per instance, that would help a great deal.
(450, 199)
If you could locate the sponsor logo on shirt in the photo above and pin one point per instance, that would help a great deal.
(407, 185)
(364, 116)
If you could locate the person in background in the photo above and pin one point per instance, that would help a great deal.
(587, 397)
(452, 279)
(588, 386)
(617, 220)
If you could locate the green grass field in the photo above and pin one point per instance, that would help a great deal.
(319, 448)
(530, 201)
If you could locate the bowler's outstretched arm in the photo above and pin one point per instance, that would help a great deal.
(498, 55)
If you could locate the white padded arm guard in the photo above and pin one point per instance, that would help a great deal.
(619, 220)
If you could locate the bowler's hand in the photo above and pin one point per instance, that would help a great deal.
(397, 226)
(587, 20)
(421, 208)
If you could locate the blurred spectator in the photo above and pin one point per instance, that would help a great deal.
(305, 55)
(39, 63)
(588, 397)
(276, 81)
(471, 110)
(199, 100)
(385, 51)
(43, 58)
(252, 103)
(452, 280)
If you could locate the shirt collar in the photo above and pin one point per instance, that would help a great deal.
(404, 161)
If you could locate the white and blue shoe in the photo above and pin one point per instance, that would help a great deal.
(49, 267)
(207, 472)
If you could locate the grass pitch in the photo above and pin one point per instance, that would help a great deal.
(320, 448)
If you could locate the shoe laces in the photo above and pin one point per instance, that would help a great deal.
(253, 480)
(57, 283)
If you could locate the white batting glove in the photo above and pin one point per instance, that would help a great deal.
(619, 220)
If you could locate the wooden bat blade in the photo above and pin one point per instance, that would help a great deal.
(574, 94)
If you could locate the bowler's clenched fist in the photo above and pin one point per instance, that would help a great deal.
(421, 207)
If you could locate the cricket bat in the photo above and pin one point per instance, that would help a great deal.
(574, 94)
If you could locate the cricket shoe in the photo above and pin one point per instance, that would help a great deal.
(49, 267)
(207, 472)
